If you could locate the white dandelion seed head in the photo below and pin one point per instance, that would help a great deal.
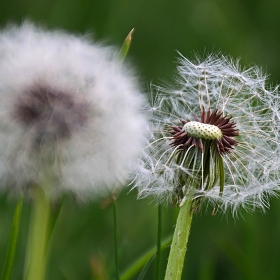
(68, 105)
(248, 114)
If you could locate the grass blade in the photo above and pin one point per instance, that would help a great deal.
(12, 245)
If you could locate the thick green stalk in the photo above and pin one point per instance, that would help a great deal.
(37, 237)
(179, 243)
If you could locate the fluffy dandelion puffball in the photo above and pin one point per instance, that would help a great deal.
(69, 113)
(214, 137)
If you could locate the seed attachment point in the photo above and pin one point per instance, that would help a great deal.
(202, 130)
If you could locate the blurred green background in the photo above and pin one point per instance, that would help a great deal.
(219, 247)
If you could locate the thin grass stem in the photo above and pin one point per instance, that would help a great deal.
(139, 263)
(157, 273)
(117, 274)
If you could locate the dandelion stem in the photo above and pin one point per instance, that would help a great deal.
(158, 245)
(179, 242)
(35, 262)
(117, 275)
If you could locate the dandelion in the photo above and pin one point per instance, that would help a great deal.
(214, 139)
(69, 111)
(70, 121)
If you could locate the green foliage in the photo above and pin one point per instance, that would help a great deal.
(12, 245)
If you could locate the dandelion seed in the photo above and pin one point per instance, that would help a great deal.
(215, 137)
(68, 108)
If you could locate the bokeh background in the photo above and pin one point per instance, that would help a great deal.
(220, 247)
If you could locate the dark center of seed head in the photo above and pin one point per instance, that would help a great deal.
(50, 112)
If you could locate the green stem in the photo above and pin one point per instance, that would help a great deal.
(158, 244)
(12, 245)
(117, 275)
(35, 261)
(179, 243)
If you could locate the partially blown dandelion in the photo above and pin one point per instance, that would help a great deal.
(69, 111)
(215, 137)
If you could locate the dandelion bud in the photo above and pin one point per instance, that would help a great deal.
(69, 111)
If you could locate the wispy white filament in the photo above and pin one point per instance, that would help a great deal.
(251, 169)
(100, 139)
